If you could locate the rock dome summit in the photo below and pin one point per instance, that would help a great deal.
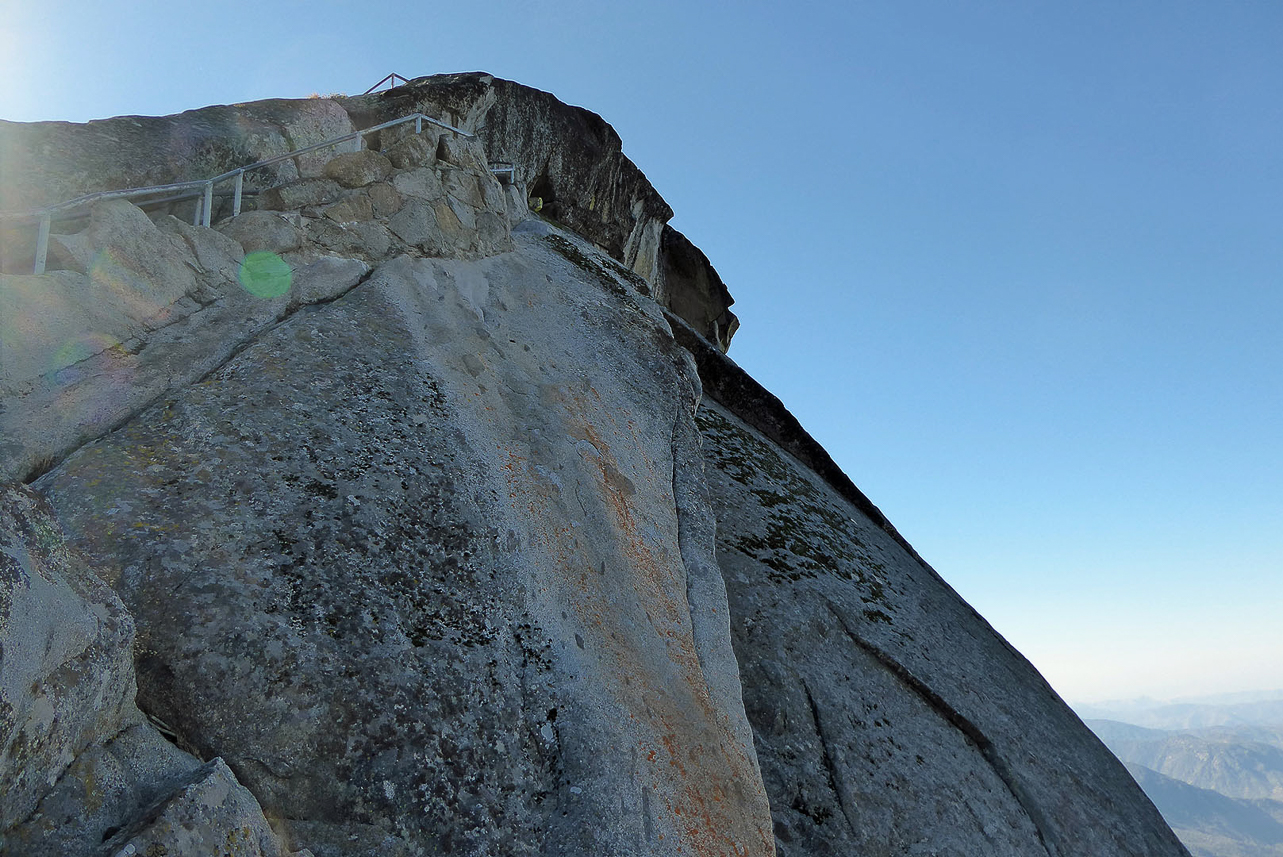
(414, 507)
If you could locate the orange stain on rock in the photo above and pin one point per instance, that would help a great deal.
(695, 759)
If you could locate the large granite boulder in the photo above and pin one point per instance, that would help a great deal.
(434, 572)
(78, 761)
(358, 169)
(263, 231)
(573, 161)
(300, 193)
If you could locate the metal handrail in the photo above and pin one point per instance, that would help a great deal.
(394, 77)
(204, 208)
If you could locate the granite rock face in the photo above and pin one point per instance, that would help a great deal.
(448, 528)
(67, 676)
(78, 761)
(145, 307)
(690, 288)
(573, 162)
(568, 157)
(434, 571)
(48, 162)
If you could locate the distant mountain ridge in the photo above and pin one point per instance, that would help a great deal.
(1263, 709)
(1210, 824)
(1212, 766)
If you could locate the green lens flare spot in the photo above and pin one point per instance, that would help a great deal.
(265, 275)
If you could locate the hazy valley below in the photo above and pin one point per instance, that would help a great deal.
(1213, 767)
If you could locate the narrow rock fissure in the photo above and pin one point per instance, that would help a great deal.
(240, 347)
(960, 722)
(827, 756)
(681, 548)
(53, 462)
(56, 785)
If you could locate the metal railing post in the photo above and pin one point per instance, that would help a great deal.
(42, 243)
(209, 204)
(204, 188)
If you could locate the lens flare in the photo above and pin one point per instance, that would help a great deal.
(82, 348)
(45, 328)
(265, 275)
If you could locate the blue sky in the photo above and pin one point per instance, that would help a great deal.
(1016, 264)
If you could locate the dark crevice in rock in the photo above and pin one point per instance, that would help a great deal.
(682, 538)
(166, 731)
(543, 190)
(960, 722)
(826, 756)
(674, 488)
(53, 462)
(40, 468)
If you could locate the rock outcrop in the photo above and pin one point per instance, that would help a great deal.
(568, 158)
(572, 162)
(83, 771)
(140, 308)
(448, 528)
(43, 163)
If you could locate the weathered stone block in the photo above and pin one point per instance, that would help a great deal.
(463, 186)
(461, 151)
(492, 193)
(466, 214)
(367, 239)
(262, 230)
(326, 279)
(385, 199)
(493, 233)
(417, 225)
(450, 224)
(355, 208)
(297, 194)
(414, 151)
(423, 183)
(358, 169)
